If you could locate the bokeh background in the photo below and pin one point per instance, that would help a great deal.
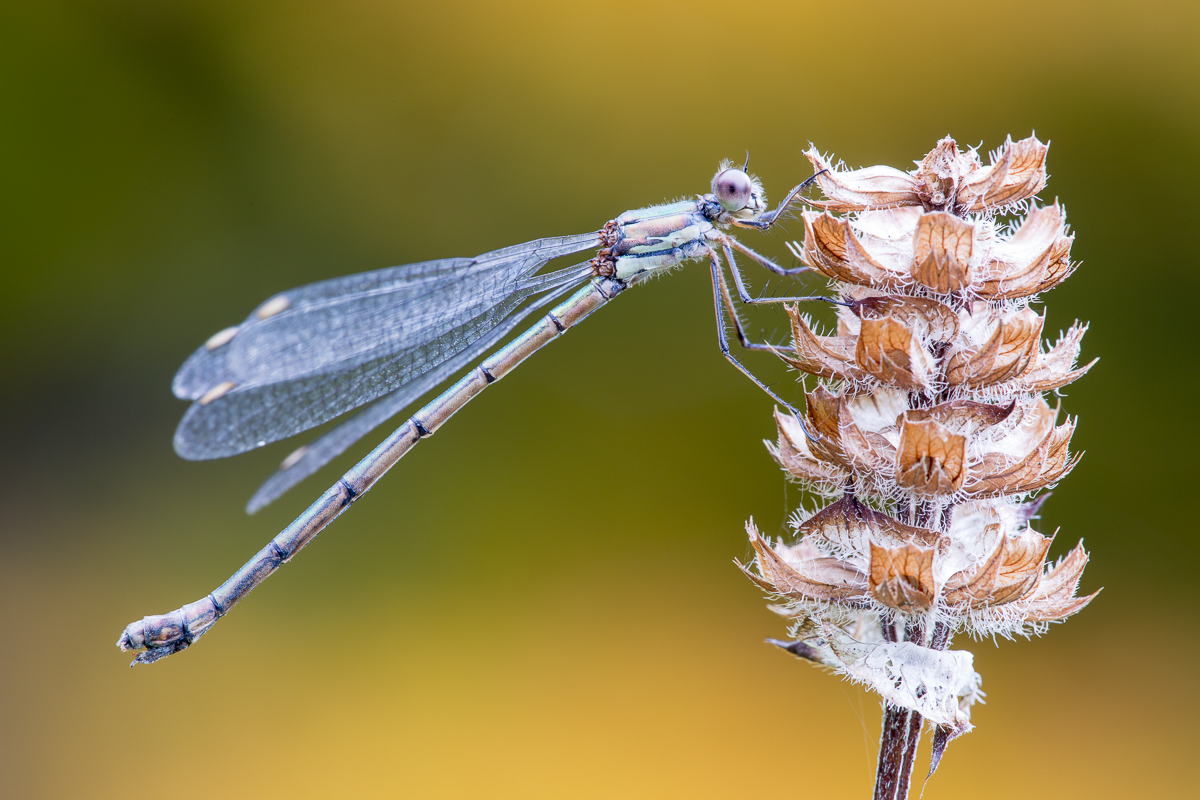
(541, 602)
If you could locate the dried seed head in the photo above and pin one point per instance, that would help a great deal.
(928, 428)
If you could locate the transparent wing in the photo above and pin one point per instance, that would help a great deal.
(349, 321)
(251, 415)
(311, 457)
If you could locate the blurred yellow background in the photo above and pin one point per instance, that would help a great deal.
(541, 602)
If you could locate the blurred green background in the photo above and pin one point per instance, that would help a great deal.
(541, 602)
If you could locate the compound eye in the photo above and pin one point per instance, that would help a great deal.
(733, 189)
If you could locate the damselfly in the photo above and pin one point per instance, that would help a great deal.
(388, 337)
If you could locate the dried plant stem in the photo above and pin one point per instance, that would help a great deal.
(897, 745)
(897, 752)
(901, 734)
(891, 752)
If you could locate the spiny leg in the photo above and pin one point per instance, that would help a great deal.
(731, 310)
(718, 281)
(737, 277)
(762, 260)
(771, 217)
(740, 283)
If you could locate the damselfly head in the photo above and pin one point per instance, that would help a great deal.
(733, 189)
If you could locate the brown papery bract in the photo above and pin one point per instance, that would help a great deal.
(926, 432)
